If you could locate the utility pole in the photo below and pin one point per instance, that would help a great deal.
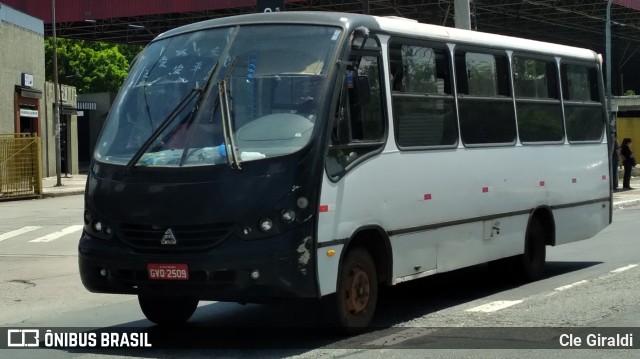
(462, 14)
(56, 102)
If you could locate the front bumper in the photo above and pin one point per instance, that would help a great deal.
(285, 264)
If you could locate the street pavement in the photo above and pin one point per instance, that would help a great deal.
(75, 184)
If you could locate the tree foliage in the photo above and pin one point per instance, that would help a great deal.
(90, 66)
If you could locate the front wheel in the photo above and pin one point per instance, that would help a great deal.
(357, 292)
(167, 310)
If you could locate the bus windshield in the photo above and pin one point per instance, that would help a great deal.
(189, 98)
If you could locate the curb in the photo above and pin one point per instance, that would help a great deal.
(62, 194)
(625, 204)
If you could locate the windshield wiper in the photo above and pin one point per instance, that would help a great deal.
(176, 111)
(227, 123)
(195, 92)
(203, 96)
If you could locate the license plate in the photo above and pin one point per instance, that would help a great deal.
(158, 271)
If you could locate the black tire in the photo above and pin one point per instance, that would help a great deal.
(531, 263)
(357, 292)
(167, 310)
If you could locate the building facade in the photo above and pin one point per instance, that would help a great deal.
(21, 71)
(26, 100)
(93, 109)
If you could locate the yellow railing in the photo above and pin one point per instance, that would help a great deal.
(20, 168)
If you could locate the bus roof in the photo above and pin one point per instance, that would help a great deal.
(393, 25)
(413, 28)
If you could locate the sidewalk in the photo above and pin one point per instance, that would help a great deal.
(74, 185)
(71, 185)
(622, 199)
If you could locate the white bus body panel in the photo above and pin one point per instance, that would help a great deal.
(574, 224)
(445, 190)
(450, 208)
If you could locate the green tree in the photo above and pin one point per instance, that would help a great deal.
(90, 66)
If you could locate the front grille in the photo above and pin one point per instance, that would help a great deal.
(188, 238)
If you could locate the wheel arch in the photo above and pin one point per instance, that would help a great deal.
(544, 214)
(376, 241)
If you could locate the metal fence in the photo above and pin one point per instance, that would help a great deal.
(20, 167)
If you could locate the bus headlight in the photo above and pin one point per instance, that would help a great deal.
(302, 202)
(288, 216)
(266, 224)
(97, 227)
(289, 213)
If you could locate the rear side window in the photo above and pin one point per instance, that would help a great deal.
(583, 109)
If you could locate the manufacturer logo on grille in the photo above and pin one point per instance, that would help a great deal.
(169, 239)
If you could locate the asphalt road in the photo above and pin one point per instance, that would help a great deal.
(589, 285)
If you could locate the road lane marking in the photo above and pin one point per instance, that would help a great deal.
(18, 232)
(494, 306)
(402, 336)
(622, 269)
(565, 287)
(55, 235)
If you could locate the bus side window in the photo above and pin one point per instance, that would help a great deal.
(582, 107)
(538, 105)
(483, 89)
(421, 96)
(359, 94)
(359, 126)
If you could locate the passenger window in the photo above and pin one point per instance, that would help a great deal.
(365, 101)
(359, 124)
(423, 104)
(582, 107)
(485, 103)
(537, 102)
(481, 74)
(580, 83)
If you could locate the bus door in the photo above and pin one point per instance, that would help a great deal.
(358, 134)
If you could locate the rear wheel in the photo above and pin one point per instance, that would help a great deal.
(531, 262)
(167, 310)
(357, 292)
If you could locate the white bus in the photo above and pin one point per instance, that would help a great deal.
(322, 155)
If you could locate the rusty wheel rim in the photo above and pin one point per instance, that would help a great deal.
(357, 295)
